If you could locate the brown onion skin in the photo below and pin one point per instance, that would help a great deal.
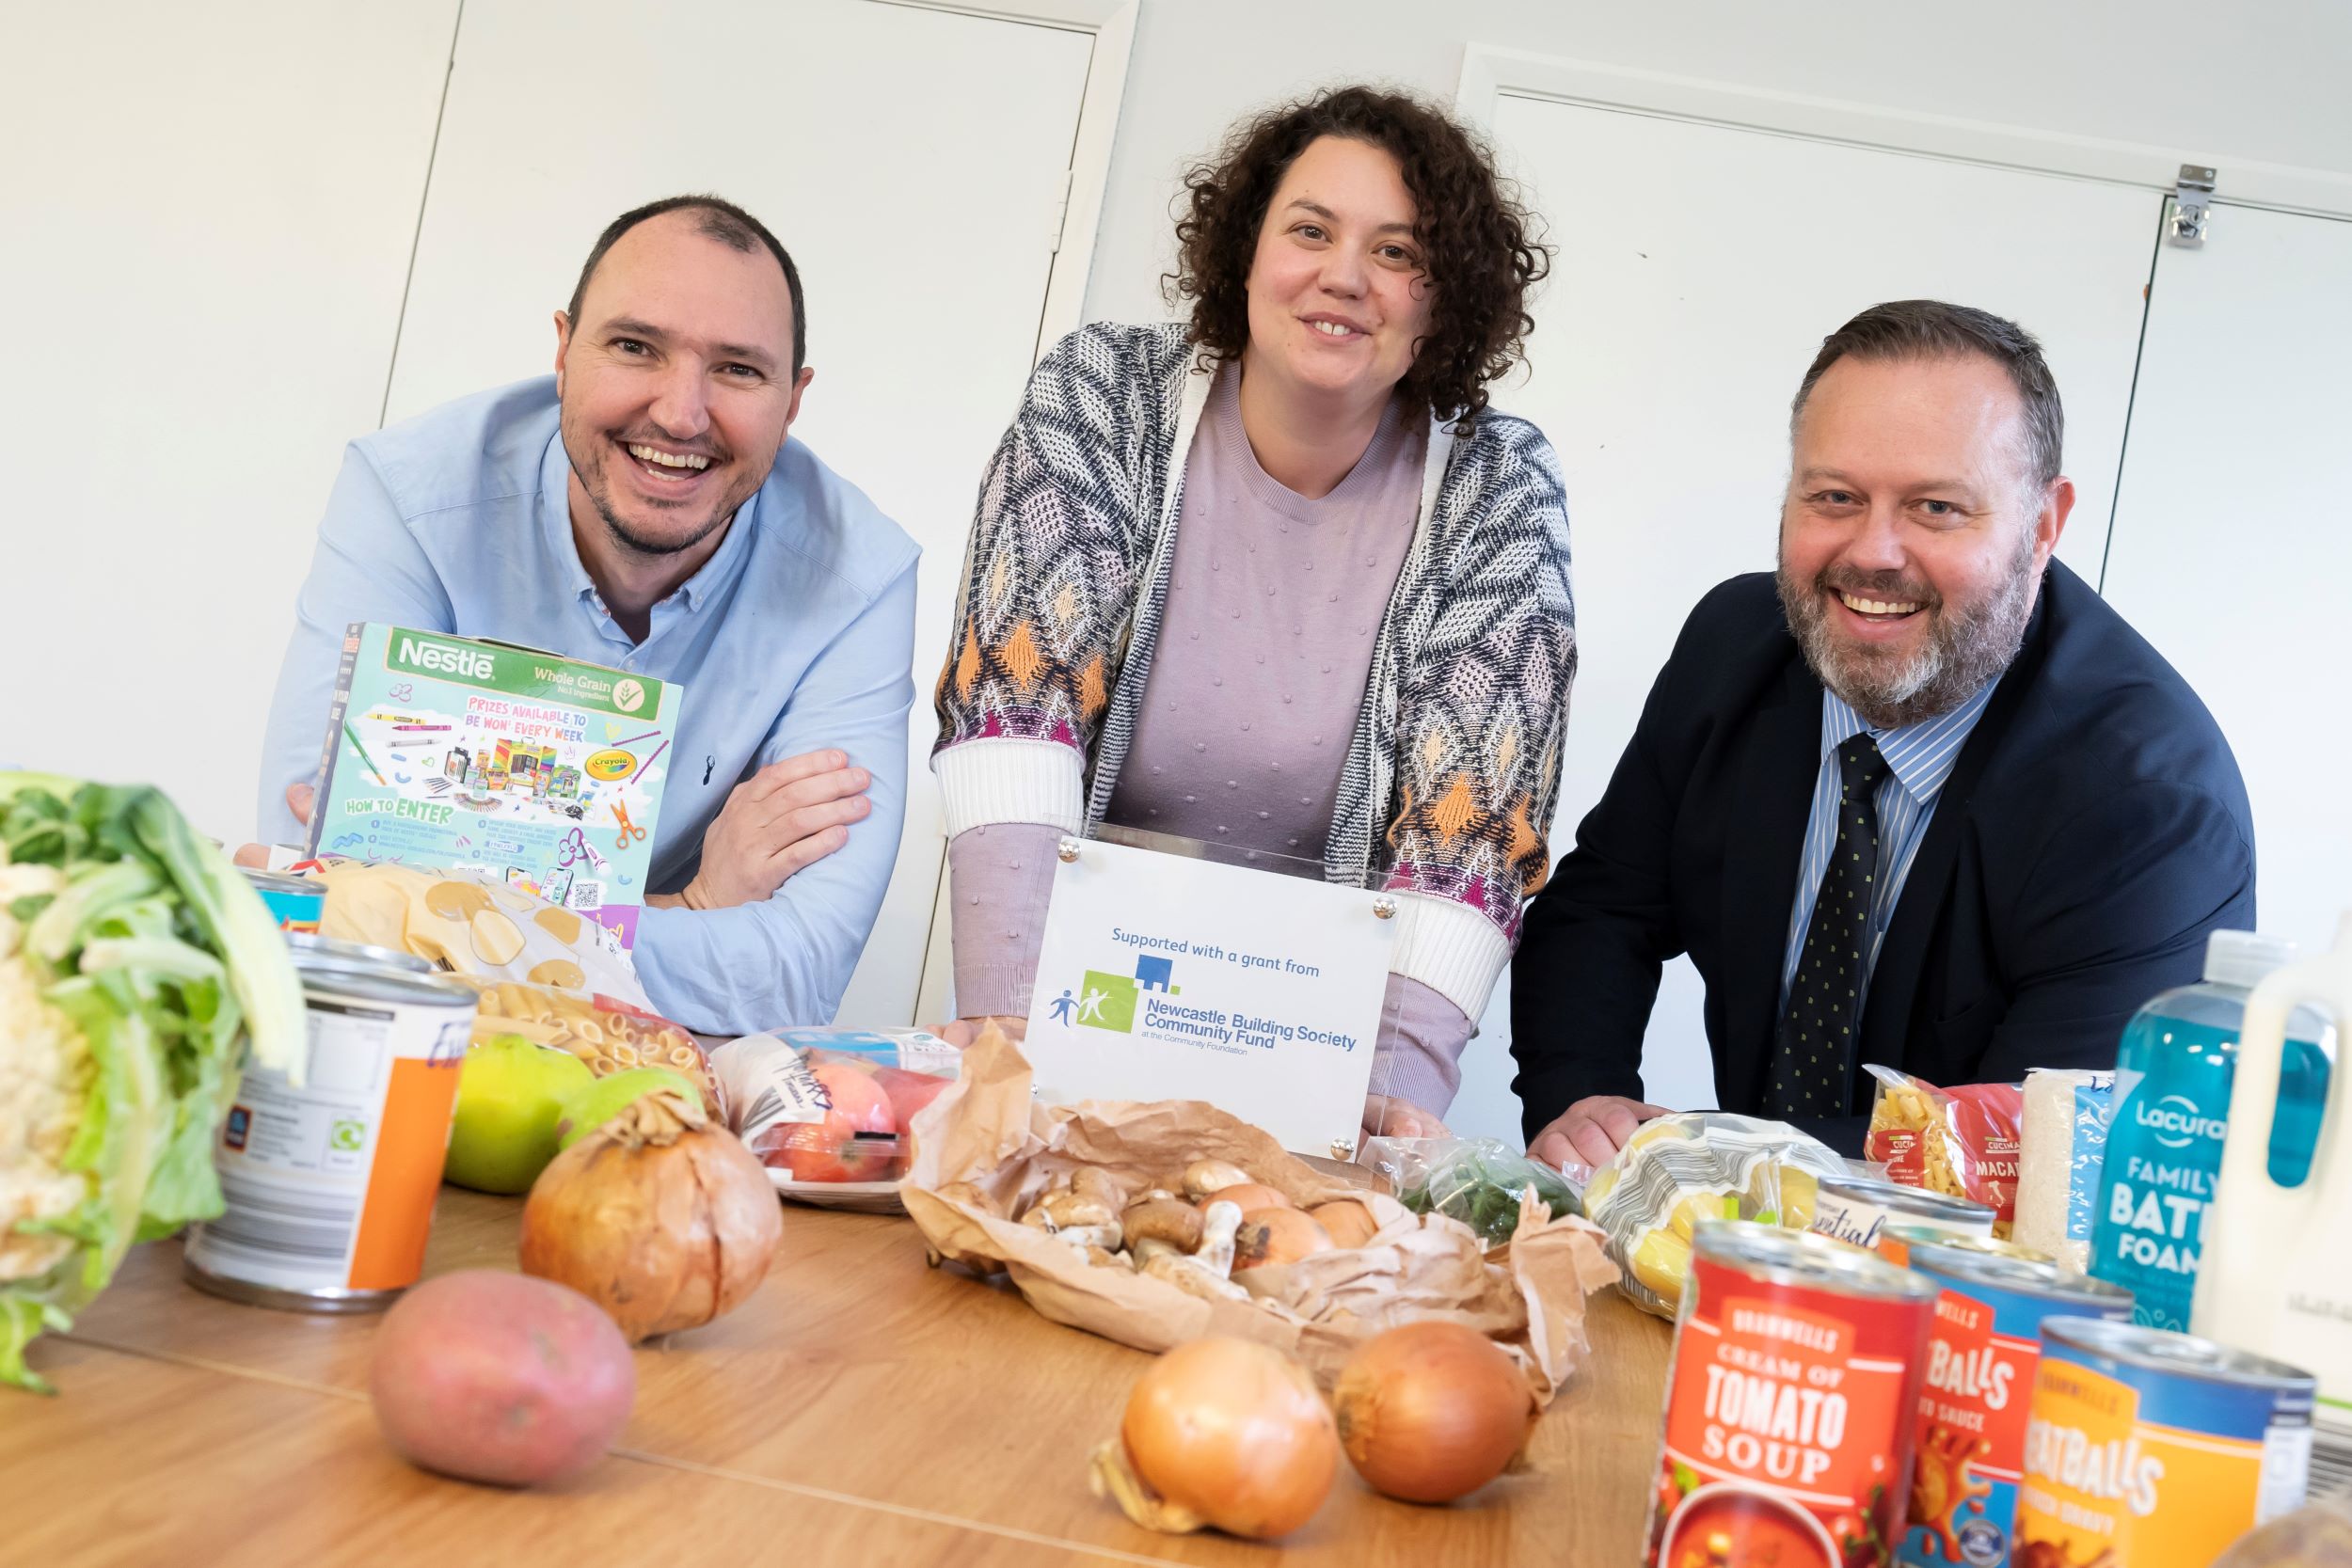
(1272, 1237)
(664, 1238)
(1249, 1195)
(1431, 1411)
(1235, 1432)
(1348, 1221)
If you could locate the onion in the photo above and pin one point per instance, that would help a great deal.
(1348, 1220)
(1269, 1237)
(1227, 1433)
(661, 1218)
(1247, 1196)
(1432, 1411)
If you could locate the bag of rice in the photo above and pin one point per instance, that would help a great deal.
(2062, 1143)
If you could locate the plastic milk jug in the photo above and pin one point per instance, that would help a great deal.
(2278, 1269)
(2174, 1078)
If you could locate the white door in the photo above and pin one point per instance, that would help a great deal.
(914, 161)
(2232, 548)
(204, 222)
(1699, 266)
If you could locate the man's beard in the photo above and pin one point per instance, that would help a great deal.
(1965, 646)
(596, 482)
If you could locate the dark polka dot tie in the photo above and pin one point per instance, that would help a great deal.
(1813, 1051)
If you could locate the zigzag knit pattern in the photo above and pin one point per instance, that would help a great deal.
(1454, 765)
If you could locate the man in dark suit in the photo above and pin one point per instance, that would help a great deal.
(1919, 798)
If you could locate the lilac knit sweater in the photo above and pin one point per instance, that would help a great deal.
(1265, 651)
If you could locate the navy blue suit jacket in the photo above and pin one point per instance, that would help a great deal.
(2094, 830)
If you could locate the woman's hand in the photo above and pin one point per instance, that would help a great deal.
(963, 1032)
(1387, 1116)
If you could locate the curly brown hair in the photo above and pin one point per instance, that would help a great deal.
(1481, 252)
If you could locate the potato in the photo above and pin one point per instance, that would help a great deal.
(502, 1378)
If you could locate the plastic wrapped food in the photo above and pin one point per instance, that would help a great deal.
(1962, 1141)
(476, 925)
(830, 1112)
(1677, 1171)
(2062, 1149)
(609, 1034)
(1476, 1181)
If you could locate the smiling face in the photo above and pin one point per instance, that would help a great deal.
(1338, 298)
(676, 385)
(1913, 537)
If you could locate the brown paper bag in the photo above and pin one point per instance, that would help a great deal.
(988, 1135)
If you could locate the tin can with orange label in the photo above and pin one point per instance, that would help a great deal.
(1791, 1405)
(2148, 1448)
(329, 1187)
(1861, 1211)
(1978, 1387)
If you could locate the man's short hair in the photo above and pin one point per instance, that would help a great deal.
(1931, 329)
(722, 221)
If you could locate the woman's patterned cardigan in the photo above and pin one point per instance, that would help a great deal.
(1451, 775)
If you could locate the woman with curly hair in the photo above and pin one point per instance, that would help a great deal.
(1277, 578)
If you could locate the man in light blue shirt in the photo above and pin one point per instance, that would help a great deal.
(643, 509)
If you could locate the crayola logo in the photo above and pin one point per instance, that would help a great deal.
(609, 765)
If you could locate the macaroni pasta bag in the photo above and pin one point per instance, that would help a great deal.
(1961, 1141)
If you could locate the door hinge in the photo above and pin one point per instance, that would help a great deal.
(1061, 207)
(2192, 201)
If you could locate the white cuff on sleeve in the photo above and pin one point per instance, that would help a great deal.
(987, 781)
(1451, 948)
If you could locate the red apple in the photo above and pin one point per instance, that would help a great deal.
(830, 1150)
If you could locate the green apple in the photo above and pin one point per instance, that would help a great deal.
(509, 1095)
(592, 1106)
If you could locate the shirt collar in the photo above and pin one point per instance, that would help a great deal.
(555, 521)
(1920, 756)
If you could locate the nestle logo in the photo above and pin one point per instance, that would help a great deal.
(472, 664)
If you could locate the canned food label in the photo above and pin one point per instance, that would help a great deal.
(1788, 1426)
(331, 1185)
(1973, 1407)
(2103, 1484)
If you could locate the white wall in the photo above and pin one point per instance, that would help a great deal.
(2263, 79)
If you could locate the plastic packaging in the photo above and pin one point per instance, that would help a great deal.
(2062, 1149)
(1960, 1140)
(1679, 1170)
(830, 1112)
(1476, 1181)
(2174, 1074)
(609, 1034)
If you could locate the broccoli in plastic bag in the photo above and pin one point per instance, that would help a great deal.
(1475, 1181)
(1679, 1170)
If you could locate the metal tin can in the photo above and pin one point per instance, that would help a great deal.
(2149, 1449)
(1792, 1404)
(329, 1187)
(1978, 1387)
(296, 903)
(358, 952)
(1857, 1210)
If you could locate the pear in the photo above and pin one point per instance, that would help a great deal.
(509, 1095)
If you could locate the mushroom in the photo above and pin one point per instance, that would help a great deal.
(1187, 1275)
(1203, 1177)
(1072, 1207)
(1094, 1184)
(1145, 1248)
(1163, 1219)
(1217, 1228)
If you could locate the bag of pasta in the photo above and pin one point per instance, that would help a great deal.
(608, 1034)
(1960, 1142)
(1678, 1171)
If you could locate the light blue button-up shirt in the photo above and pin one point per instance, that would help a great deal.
(795, 636)
(1919, 757)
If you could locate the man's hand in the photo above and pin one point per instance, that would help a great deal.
(1387, 1116)
(1592, 1130)
(300, 800)
(778, 822)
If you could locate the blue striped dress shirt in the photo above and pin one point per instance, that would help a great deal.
(1919, 758)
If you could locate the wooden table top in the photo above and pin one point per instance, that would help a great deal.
(861, 1408)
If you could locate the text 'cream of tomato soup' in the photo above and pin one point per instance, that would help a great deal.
(1791, 1405)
